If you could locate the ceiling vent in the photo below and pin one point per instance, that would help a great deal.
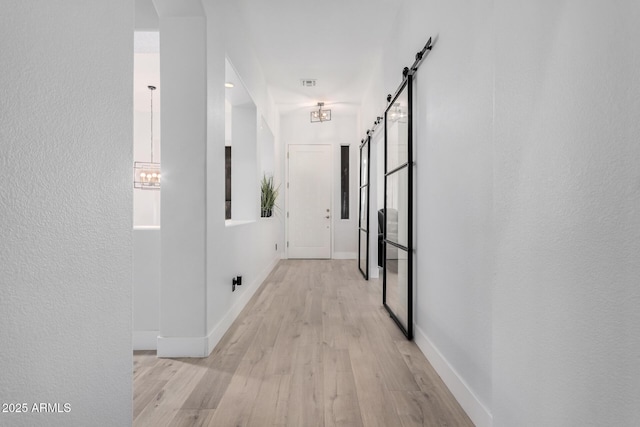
(308, 82)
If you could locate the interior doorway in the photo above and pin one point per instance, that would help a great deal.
(309, 196)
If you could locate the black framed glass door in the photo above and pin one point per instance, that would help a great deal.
(397, 294)
(363, 216)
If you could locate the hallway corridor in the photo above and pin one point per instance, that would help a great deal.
(314, 347)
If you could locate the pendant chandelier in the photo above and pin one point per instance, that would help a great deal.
(320, 115)
(146, 175)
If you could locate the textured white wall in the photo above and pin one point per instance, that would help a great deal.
(66, 203)
(296, 128)
(566, 337)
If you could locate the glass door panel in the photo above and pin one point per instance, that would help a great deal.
(364, 213)
(397, 283)
(397, 121)
(362, 261)
(398, 207)
(397, 295)
(363, 209)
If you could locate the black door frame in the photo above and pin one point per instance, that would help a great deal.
(365, 142)
(408, 331)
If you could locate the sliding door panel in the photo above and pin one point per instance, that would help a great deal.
(397, 294)
(363, 216)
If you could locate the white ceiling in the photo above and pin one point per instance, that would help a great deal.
(333, 41)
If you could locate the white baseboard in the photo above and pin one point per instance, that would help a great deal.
(203, 346)
(182, 347)
(221, 328)
(145, 340)
(479, 414)
(345, 255)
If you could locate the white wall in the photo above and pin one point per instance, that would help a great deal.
(296, 128)
(65, 204)
(245, 197)
(184, 140)
(567, 197)
(452, 116)
(146, 16)
(146, 288)
(200, 254)
(527, 218)
(247, 249)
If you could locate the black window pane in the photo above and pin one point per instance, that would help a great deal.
(344, 182)
(227, 182)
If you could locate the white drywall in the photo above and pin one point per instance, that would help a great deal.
(566, 336)
(146, 288)
(296, 128)
(200, 253)
(245, 196)
(184, 141)
(146, 17)
(248, 249)
(528, 192)
(65, 204)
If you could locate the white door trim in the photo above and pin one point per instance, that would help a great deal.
(286, 201)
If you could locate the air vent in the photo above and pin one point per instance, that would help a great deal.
(308, 82)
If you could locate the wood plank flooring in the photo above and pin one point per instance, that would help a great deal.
(313, 347)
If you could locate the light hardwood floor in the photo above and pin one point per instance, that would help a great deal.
(314, 347)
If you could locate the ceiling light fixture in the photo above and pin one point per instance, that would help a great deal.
(146, 175)
(229, 85)
(398, 113)
(320, 115)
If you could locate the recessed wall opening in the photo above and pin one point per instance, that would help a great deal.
(146, 132)
(241, 160)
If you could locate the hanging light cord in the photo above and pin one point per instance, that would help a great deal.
(151, 88)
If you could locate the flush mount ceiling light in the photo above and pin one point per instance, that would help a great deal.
(229, 85)
(320, 115)
(146, 175)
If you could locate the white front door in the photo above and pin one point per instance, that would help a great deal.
(309, 214)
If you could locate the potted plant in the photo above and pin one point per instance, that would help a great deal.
(268, 197)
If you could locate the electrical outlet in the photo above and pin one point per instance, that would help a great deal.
(236, 281)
